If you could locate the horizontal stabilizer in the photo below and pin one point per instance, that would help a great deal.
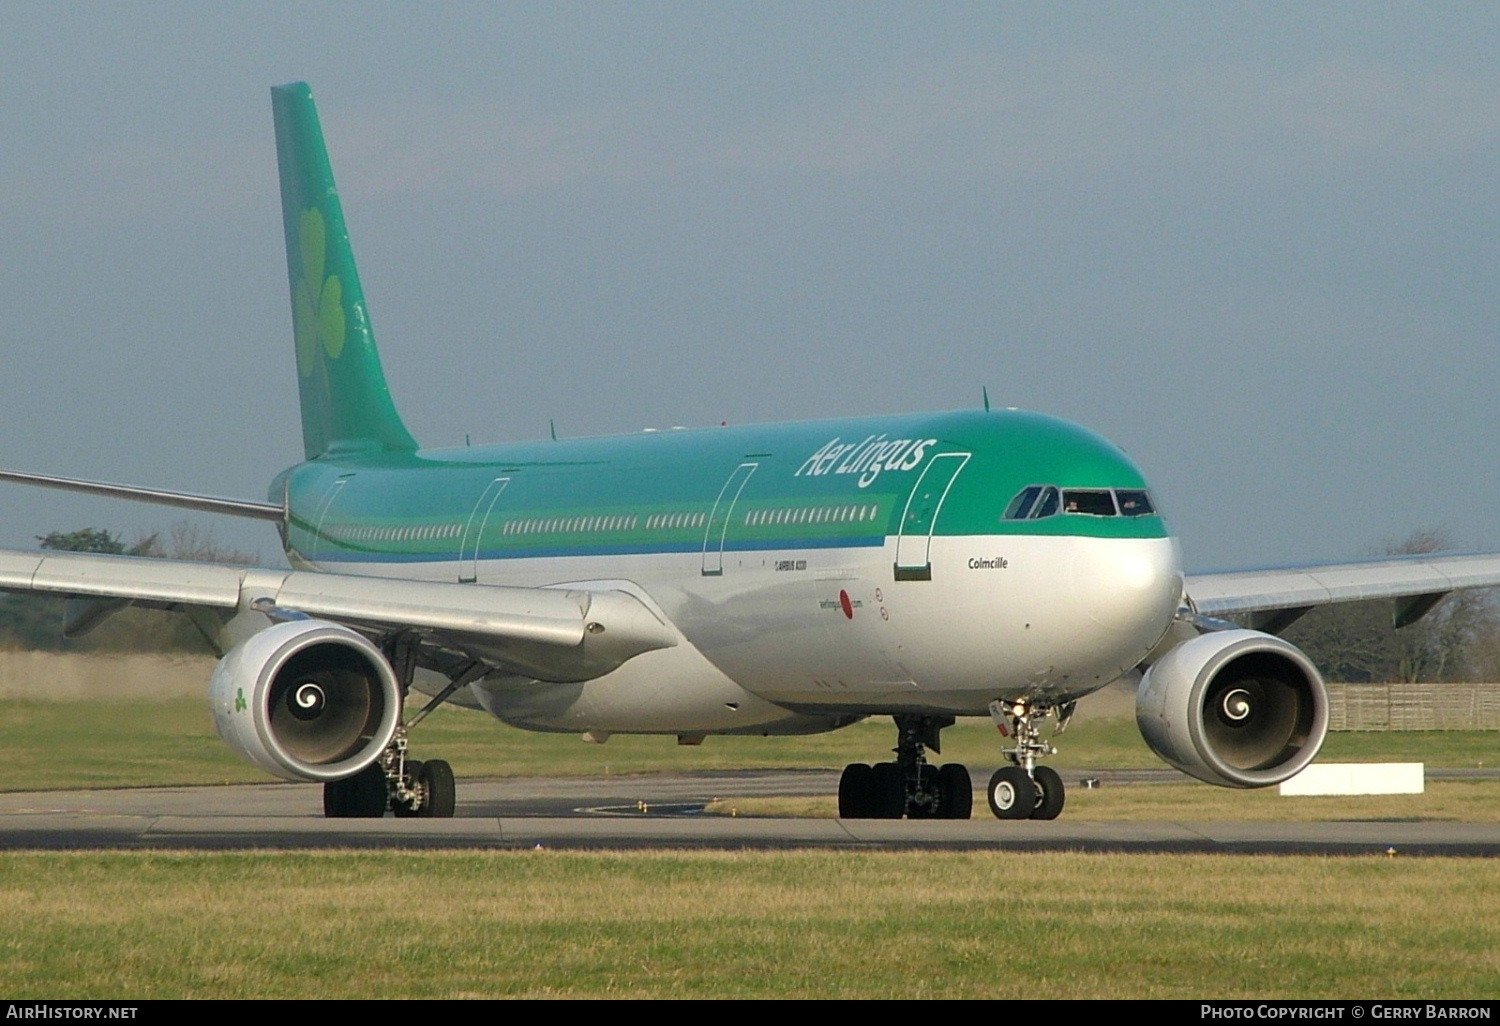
(181, 500)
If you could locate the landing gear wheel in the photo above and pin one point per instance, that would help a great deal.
(362, 796)
(1049, 793)
(856, 787)
(437, 776)
(889, 793)
(955, 792)
(401, 809)
(1012, 794)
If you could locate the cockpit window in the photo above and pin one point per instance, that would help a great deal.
(1020, 506)
(1032, 503)
(1134, 503)
(1093, 502)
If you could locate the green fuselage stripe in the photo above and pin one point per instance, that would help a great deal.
(837, 484)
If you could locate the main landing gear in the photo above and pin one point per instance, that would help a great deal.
(910, 786)
(406, 787)
(914, 788)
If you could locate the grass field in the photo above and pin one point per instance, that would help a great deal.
(804, 924)
(735, 924)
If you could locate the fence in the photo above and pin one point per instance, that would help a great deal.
(1462, 706)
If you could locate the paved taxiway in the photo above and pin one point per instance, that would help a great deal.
(650, 812)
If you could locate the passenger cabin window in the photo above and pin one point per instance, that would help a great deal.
(1091, 502)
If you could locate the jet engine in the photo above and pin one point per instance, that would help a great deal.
(306, 700)
(1235, 708)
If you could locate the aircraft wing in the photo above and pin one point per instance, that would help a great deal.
(1271, 599)
(554, 633)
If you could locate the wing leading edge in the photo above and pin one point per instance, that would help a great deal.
(1273, 598)
(552, 633)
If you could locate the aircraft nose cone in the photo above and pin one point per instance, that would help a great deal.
(1128, 585)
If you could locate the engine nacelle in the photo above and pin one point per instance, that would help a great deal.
(1235, 708)
(306, 700)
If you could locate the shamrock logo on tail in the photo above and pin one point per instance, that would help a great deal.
(320, 301)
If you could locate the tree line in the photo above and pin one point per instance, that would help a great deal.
(34, 622)
(1356, 642)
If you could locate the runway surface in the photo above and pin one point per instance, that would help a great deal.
(654, 812)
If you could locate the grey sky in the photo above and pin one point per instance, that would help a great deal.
(1256, 245)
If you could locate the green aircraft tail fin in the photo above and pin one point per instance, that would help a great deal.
(345, 402)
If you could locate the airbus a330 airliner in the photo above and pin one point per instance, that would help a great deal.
(781, 579)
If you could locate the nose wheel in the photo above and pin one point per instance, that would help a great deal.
(1012, 794)
(1015, 794)
(1050, 795)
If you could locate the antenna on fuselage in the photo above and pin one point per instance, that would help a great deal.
(984, 391)
(552, 427)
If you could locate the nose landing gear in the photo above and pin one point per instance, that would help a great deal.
(1024, 790)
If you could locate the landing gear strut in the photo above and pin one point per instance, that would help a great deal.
(421, 789)
(1024, 790)
(910, 786)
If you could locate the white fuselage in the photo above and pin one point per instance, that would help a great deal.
(797, 641)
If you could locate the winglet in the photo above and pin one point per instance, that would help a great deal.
(345, 402)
